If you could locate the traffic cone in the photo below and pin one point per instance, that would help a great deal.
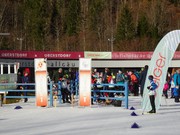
(133, 114)
(132, 108)
(134, 125)
(18, 107)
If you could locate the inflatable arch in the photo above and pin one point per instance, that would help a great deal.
(160, 61)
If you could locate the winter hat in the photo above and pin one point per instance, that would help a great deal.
(150, 77)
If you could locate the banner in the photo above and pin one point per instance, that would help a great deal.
(41, 82)
(98, 55)
(132, 55)
(40, 54)
(158, 66)
(84, 82)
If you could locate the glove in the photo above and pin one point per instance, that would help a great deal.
(148, 87)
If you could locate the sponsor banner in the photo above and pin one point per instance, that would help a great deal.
(138, 55)
(40, 54)
(132, 55)
(41, 82)
(158, 66)
(76, 55)
(84, 82)
(98, 55)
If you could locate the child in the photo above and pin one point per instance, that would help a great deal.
(165, 89)
(152, 92)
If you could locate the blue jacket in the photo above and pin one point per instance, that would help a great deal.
(153, 85)
(176, 77)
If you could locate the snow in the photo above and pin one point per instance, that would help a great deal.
(95, 120)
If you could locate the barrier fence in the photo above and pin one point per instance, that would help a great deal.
(73, 87)
(111, 90)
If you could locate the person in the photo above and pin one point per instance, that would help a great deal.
(25, 79)
(64, 89)
(152, 92)
(58, 75)
(134, 82)
(19, 80)
(172, 87)
(120, 77)
(165, 89)
(107, 76)
(142, 79)
(176, 78)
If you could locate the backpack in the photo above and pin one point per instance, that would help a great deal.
(120, 78)
(137, 75)
(64, 84)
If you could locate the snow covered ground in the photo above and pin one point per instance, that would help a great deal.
(96, 120)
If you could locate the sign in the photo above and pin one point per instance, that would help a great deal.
(138, 55)
(40, 54)
(132, 55)
(85, 82)
(159, 65)
(41, 82)
(98, 55)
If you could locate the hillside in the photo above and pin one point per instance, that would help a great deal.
(86, 25)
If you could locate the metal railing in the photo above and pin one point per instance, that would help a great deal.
(74, 88)
(111, 88)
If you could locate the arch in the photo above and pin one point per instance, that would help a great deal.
(158, 66)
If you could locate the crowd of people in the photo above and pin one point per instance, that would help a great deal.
(136, 80)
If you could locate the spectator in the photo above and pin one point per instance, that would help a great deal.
(107, 76)
(64, 89)
(57, 76)
(25, 79)
(19, 80)
(165, 89)
(120, 77)
(176, 77)
(172, 88)
(134, 82)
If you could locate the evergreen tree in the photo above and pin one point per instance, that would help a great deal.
(72, 17)
(142, 28)
(125, 28)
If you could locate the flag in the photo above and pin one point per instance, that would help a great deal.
(160, 61)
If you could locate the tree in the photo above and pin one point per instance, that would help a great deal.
(125, 29)
(143, 26)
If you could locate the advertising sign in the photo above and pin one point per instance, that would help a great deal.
(41, 82)
(158, 66)
(98, 55)
(84, 81)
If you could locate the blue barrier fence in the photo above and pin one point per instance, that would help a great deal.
(22, 93)
(111, 89)
(74, 88)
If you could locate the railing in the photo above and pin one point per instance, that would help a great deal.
(107, 88)
(74, 86)
(31, 88)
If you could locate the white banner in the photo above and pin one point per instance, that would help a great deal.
(84, 82)
(41, 81)
(158, 66)
(98, 55)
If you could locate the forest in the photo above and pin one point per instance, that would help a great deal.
(86, 25)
